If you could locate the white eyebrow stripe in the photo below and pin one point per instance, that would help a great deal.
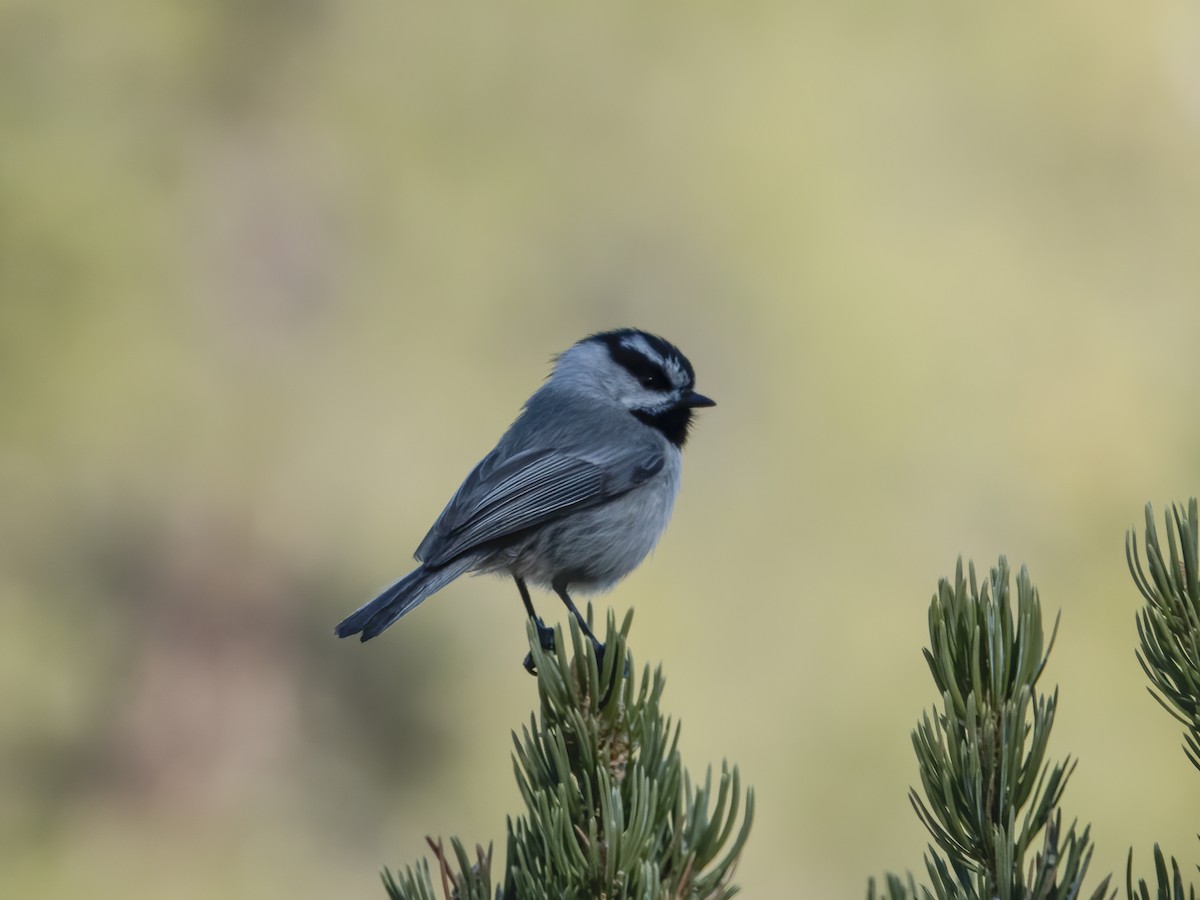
(637, 344)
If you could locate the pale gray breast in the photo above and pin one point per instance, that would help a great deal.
(595, 548)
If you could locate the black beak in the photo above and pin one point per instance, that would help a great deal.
(693, 400)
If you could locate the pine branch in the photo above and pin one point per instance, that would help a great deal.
(1169, 886)
(989, 790)
(1169, 633)
(1169, 625)
(609, 809)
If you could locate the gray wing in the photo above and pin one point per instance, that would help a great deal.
(504, 496)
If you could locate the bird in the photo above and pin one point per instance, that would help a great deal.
(575, 494)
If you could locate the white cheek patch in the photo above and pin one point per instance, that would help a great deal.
(654, 403)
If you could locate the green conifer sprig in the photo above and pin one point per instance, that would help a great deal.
(1169, 624)
(609, 809)
(1170, 884)
(980, 761)
(460, 879)
(989, 789)
(1169, 633)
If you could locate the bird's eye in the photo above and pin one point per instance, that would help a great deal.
(654, 380)
(649, 374)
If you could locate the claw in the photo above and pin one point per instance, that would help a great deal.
(546, 639)
(600, 650)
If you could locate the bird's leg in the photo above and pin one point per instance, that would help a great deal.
(560, 588)
(545, 635)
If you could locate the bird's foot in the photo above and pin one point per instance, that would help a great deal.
(614, 678)
(546, 639)
(600, 650)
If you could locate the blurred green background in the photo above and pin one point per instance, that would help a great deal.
(274, 275)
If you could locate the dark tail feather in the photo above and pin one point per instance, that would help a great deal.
(401, 597)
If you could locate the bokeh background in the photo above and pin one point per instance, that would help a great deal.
(273, 276)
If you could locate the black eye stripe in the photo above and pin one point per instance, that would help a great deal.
(648, 373)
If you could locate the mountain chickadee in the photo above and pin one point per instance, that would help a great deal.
(578, 490)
